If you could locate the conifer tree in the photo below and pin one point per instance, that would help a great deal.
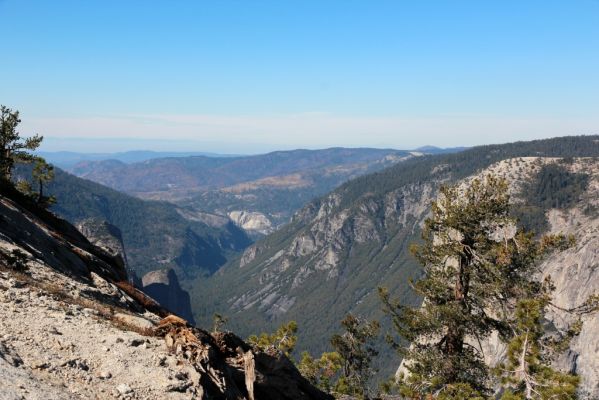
(356, 350)
(42, 174)
(476, 268)
(526, 373)
(321, 371)
(13, 148)
(283, 340)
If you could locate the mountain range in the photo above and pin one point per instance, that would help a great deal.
(259, 193)
(338, 249)
(68, 159)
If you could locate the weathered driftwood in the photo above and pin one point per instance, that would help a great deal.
(230, 369)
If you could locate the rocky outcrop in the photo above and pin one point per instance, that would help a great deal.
(163, 286)
(108, 237)
(252, 222)
(574, 271)
(56, 243)
(104, 235)
(72, 327)
(246, 374)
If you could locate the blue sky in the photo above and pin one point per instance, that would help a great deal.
(251, 76)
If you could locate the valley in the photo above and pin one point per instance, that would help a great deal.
(299, 200)
(266, 189)
(340, 248)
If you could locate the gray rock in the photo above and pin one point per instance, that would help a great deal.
(40, 365)
(135, 321)
(163, 286)
(105, 375)
(123, 389)
(180, 386)
(136, 342)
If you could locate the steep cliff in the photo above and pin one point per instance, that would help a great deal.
(338, 249)
(163, 286)
(570, 209)
(107, 237)
(72, 327)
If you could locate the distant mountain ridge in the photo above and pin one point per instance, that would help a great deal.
(68, 159)
(201, 172)
(266, 189)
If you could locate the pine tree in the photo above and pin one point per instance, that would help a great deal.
(282, 341)
(526, 373)
(12, 147)
(355, 346)
(42, 174)
(321, 371)
(475, 269)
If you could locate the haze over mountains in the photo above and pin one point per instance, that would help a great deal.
(338, 226)
(259, 193)
(68, 159)
(340, 248)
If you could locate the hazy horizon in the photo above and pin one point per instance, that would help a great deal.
(125, 145)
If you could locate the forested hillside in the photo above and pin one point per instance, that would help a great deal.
(338, 249)
(156, 234)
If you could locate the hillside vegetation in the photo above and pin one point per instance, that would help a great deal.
(339, 248)
(156, 234)
(272, 186)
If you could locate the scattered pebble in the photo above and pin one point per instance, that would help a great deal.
(123, 388)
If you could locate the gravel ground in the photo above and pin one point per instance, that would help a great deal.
(57, 348)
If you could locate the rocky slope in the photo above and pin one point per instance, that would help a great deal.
(161, 285)
(338, 249)
(71, 327)
(576, 276)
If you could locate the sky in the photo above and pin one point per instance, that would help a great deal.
(253, 76)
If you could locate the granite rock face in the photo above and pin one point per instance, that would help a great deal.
(108, 237)
(163, 286)
(575, 274)
(574, 271)
(252, 222)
